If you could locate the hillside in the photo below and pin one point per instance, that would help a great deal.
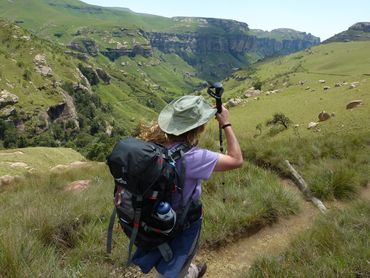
(325, 77)
(50, 98)
(357, 32)
(324, 94)
(117, 33)
(18, 162)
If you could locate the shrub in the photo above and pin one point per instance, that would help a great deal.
(27, 75)
(279, 119)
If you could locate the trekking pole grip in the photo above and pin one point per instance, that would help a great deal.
(219, 105)
(215, 90)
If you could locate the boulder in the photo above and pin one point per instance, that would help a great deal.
(322, 81)
(354, 103)
(41, 66)
(7, 112)
(234, 102)
(326, 88)
(7, 180)
(7, 98)
(323, 116)
(251, 92)
(18, 165)
(78, 185)
(83, 79)
(354, 85)
(312, 125)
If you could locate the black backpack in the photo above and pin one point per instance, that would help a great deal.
(145, 175)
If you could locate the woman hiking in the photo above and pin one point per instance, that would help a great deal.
(182, 121)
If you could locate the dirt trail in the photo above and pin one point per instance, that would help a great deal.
(237, 257)
(234, 258)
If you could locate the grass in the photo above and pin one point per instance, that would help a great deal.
(39, 159)
(333, 158)
(63, 233)
(336, 246)
(250, 199)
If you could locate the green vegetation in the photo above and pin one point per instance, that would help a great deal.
(334, 156)
(63, 232)
(37, 159)
(336, 246)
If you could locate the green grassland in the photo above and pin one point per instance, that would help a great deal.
(37, 159)
(338, 148)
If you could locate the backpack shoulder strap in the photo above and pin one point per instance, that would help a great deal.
(178, 151)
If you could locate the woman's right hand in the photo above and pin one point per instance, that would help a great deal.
(223, 117)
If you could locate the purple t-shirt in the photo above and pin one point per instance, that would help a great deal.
(199, 165)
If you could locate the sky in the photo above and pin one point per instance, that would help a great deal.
(321, 18)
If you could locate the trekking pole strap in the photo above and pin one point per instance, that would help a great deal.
(110, 231)
(135, 230)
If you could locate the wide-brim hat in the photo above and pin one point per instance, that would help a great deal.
(184, 114)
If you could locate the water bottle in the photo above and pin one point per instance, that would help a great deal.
(165, 212)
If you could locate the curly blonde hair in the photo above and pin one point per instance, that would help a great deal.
(152, 132)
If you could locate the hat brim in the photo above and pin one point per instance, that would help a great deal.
(172, 126)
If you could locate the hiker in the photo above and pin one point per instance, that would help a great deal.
(183, 121)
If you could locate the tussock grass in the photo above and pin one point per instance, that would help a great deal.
(337, 246)
(333, 166)
(46, 230)
(250, 199)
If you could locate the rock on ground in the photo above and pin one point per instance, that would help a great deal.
(354, 103)
(79, 185)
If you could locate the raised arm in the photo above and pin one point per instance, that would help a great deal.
(233, 158)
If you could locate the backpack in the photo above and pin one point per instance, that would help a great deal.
(145, 175)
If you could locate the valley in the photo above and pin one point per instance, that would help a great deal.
(75, 82)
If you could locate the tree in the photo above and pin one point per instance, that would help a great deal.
(279, 119)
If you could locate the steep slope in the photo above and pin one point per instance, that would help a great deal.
(213, 46)
(49, 98)
(357, 32)
(301, 85)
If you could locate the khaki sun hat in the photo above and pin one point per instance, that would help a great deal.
(184, 114)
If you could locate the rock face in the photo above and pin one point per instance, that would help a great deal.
(234, 38)
(211, 36)
(361, 26)
(7, 98)
(357, 32)
(138, 49)
(64, 111)
(236, 44)
(103, 75)
(41, 66)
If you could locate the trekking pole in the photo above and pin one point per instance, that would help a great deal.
(216, 90)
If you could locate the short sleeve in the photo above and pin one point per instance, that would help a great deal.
(200, 163)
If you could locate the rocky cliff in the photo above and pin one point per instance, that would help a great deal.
(228, 38)
(357, 32)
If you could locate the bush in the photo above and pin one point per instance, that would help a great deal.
(279, 119)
